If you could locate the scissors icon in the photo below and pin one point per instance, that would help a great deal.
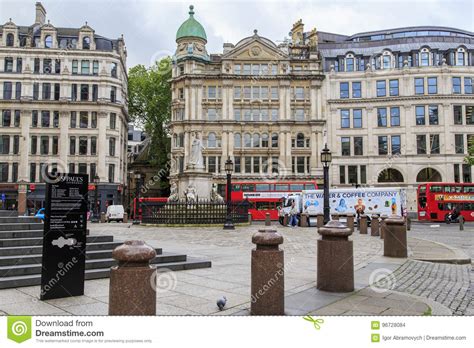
(316, 322)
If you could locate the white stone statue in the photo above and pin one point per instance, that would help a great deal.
(216, 197)
(173, 193)
(190, 194)
(195, 160)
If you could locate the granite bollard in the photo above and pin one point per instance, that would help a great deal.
(132, 288)
(319, 220)
(383, 217)
(102, 218)
(363, 224)
(350, 221)
(395, 237)
(461, 222)
(335, 258)
(125, 218)
(267, 278)
(304, 220)
(375, 225)
(267, 219)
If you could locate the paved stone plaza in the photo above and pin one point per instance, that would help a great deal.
(404, 287)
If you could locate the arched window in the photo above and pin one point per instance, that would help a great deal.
(386, 62)
(349, 62)
(237, 140)
(274, 139)
(425, 57)
(460, 56)
(300, 140)
(256, 140)
(247, 140)
(211, 140)
(264, 140)
(48, 41)
(428, 175)
(86, 43)
(10, 40)
(390, 175)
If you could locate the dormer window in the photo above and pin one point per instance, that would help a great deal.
(349, 62)
(460, 58)
(86, 43)
(10, 40)
(48, 41)
(424, 57)
(386, 61)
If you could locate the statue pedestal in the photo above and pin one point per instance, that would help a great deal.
(200, 179)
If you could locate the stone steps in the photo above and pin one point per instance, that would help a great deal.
(8, 213)
(12, 242)
(37, 249)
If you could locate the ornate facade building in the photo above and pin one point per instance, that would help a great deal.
(62, 102)
(395, 106)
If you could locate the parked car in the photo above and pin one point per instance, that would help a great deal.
(115, 213)
(40, 214)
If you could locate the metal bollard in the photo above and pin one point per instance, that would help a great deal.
(363, 224)
(461, 222)
(395, 237)
(350, 221)
(267, 278)
(375, 225)
(132, 282)
(267, 219)
(319, 220)
(383, 217)
(335, 258)
(125, 218)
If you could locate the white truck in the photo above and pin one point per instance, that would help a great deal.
(380, 200)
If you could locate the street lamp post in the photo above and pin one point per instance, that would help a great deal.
(326, 158)
(229, 168)
(138, 179)
(95, 212)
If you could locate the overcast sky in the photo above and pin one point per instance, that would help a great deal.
(149, 26)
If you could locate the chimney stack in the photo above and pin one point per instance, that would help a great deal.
(40, 14)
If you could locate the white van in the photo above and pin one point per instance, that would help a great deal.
(115, 213)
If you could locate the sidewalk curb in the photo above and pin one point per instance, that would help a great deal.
(436, 307)
(460, 259)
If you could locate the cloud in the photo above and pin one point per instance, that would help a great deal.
(149, 27)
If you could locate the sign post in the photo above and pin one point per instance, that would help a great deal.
(64, 237)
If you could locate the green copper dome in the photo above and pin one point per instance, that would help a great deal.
(191, 28)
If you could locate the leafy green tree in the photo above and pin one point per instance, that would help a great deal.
(149, 106)
(470, 152)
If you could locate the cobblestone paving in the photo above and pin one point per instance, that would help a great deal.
(451, 285)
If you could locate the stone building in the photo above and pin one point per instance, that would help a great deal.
(258, 103)
(395, 106)
(399, 106)
(62, 102)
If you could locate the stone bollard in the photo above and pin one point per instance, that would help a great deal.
(267, 219)
(304, 220)
(408, 223)
(363, 224)
(334, 216)
(125, 218)
(395, 237)
(132, 288)
(350, 221)
(461, 222)
(102, 217)
(383, 217)
(375, 225)
(249, 217)
(319, 220)
(267, 279)
(335, 258)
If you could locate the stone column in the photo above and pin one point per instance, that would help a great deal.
(350, 221)
(335, 258)
(374, 225)
(133, 281)
(395, 237)
(22, 189)
(288, 153)
(314, 150)
(363, 224)
(25, 124)
(63, 141)
(267, 286)
(102, 146)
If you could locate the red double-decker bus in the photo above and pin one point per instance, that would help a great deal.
(266, 196)
(437, 199)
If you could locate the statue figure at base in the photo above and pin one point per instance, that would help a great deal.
(215, 196)
(196, 160)
(173, 193)
(190, 194)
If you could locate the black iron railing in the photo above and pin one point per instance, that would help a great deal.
(196, 213)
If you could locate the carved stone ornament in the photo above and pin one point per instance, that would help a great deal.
(255, 51)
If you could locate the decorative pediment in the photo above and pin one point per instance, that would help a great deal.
(255, 48)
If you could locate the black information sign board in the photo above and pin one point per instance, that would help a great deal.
(64, 236)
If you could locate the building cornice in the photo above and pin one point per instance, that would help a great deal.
(381, 100)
